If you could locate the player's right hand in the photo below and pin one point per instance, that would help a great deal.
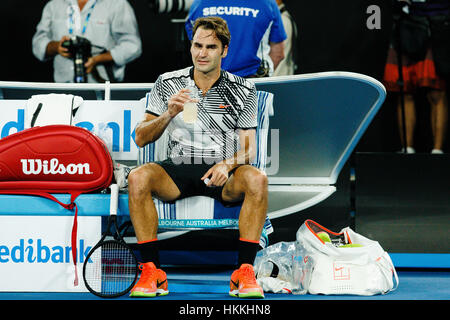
(176, 102)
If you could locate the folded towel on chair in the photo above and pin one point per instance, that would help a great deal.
(53, 108)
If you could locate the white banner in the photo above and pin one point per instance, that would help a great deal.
(36, 253)
(118, 118)
(12, 116)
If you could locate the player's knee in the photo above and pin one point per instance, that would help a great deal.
(257, 183)
(140, 181)
(261, 180)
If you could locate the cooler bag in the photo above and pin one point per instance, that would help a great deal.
(55, 159)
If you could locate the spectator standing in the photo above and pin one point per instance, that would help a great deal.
(110, 26)
(421, 33)
(288, 65)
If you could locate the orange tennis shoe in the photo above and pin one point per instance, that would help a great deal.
(152, 283)
(243, 283)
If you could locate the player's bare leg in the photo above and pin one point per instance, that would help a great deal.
(250, 184)
(144, 182)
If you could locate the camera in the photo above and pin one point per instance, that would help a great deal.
(263, 69)
(80, 49)
(170, 6)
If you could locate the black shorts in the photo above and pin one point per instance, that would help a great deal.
(187, 177)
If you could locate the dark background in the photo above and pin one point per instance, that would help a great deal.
(333, 37)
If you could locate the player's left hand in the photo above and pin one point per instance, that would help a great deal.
(217, 175)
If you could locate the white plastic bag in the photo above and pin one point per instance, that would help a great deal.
(273, 268)
(121, 171)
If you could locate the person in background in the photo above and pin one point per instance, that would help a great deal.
(288, 65)
(422, 30)
(109, 25)
(257, 34)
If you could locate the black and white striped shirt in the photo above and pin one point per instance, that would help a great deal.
(229, 105)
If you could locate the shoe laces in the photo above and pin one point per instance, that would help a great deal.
(146, 271)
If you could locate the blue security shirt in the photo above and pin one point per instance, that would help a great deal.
(248, 22)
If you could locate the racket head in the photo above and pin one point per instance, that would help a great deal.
(110, 269)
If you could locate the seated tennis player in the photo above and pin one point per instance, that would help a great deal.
(210, 156)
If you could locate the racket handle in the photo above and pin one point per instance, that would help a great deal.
(114, 201)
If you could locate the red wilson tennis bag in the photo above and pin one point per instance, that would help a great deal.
(55, 159)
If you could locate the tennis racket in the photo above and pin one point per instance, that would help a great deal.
(111, 268)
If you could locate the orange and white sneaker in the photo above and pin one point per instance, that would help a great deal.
(243, 283)
(152, 283)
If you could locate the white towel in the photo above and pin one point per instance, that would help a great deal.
(53, 109)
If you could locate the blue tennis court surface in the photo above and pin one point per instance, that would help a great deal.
(213, 284)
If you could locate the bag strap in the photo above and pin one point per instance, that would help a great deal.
(391, 272)
(69, 206)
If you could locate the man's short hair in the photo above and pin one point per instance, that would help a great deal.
(216, 24)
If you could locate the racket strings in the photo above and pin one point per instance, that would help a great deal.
(112, 269)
